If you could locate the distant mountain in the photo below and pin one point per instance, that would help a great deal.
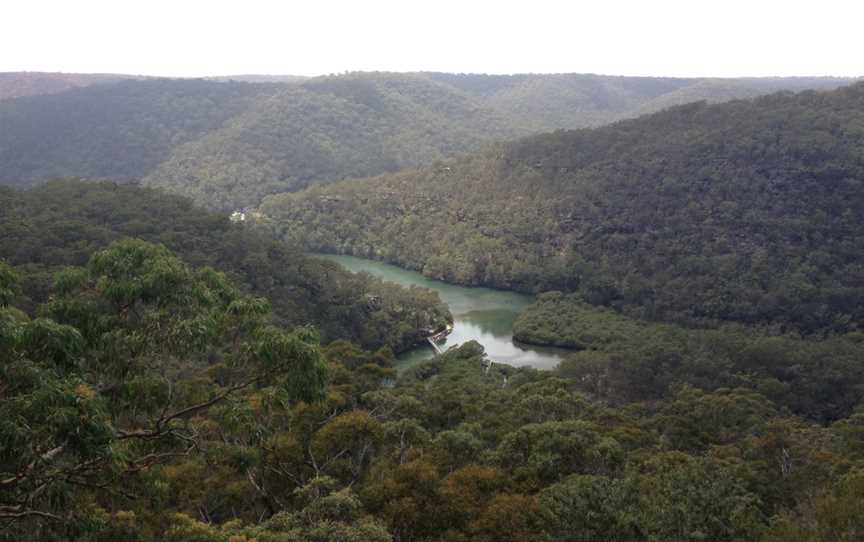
(567, 101)
(748, 211)
(258, 78)
(329, 129)
(18, 84)
(120, 131)
(228, 142)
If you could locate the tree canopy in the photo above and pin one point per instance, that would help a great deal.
(104, 382)
(63, 223)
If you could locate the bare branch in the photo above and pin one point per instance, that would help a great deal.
(161, 428)
(47, 457)
(12, 513)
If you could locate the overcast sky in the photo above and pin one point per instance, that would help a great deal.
(649, 37)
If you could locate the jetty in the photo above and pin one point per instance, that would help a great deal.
(435, 338)
(438, 349)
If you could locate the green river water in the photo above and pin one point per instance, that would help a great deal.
(479, 314)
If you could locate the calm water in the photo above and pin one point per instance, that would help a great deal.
(481, 314)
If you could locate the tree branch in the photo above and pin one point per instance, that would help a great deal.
(47, 456)
(11, 513)
(161, 424)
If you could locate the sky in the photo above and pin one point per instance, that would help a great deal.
(190, 38)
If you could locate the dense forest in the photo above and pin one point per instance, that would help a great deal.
(118, 131)
(169, 374)
(620, 359)
(325, 130)
(63, 223)
(748, 211)
(169, 408)
(229, 141)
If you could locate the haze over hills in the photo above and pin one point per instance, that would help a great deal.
(567, 101)
(18, 84)
(325, 130)
(118, 131)
(229, 144)
(259, 78)
(748, 211)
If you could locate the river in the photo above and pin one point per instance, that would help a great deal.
(479, 314)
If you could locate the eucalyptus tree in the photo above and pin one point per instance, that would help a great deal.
(115, 374)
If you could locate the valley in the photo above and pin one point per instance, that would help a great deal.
(479, 314)
(217, 297)
(747, 211)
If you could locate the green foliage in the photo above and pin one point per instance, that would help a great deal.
(328, 517)
(835, 516)
(298, 353)
(627, 359)
(159, 344)
(56, 345)
(696, 501)
(692, 501)
(588, 508)
(447, 453)
(8, 284)
(820, 380)
(567, 321)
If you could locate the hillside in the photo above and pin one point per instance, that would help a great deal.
(549, 102)
(748, 211)
(64, 223)
(325, 130)
(119, 131)
(19, 84)
(228, 143)
(259, 78)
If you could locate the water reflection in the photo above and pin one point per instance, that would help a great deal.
(479, 314)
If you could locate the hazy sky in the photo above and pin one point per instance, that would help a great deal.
(649, 37)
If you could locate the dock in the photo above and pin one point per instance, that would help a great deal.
(435, 338)
(438, 349)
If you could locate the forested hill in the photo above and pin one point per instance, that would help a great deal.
(570, 100)
(63, 223)
(227, 143)
(118, 131)
(329, 129)
(748, 211)
(18, 84)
